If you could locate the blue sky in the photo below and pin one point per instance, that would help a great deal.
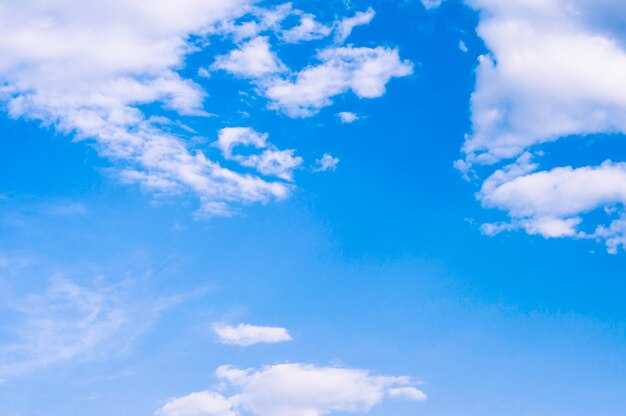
(385, 208)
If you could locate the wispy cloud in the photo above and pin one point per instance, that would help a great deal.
(69, 323)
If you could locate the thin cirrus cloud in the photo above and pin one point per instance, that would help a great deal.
(295, 390)
(70, 322)
(245, 335)
(92, 80)
(553, 71)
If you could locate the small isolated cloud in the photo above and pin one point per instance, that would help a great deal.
(245, 335)
(347, 117)
(345, 26)
(293, 390)
(432, 4)
(326, 163)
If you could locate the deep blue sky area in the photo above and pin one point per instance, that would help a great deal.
(379, 265)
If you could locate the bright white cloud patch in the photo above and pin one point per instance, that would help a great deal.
(326, 163)
(253, 59)
(295, 390)
(364, 71)
(198, 404)
(89, 68)
(347, 117)
(554, 70)
(245, 335)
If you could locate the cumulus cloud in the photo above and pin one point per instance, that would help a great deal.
(553, 70)
(347, 117)
(198, 404)
(245, 335)
(295, 390)
(364, 71)
(253, 59)
(326, 163)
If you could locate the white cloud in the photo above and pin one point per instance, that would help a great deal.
(407, 393)
(553, 71)
(365, 71)
(326, 163)
(198, 404)
(271, 161)
(88, 69)
(296, 390)
(260, 19)
(347, 117)
(89, 79)
(245, 335)
(432, 4)
(345, 26)
(253, 59)
(307, 29)
(65, 322)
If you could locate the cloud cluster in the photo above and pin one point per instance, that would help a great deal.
(91, 68)
(270, 162)
(293, 390)
(554, 71)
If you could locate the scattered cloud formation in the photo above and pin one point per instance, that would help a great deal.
(93, 81)
(245, 335)
(294, 390)
(552, 71)
(326, 163)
